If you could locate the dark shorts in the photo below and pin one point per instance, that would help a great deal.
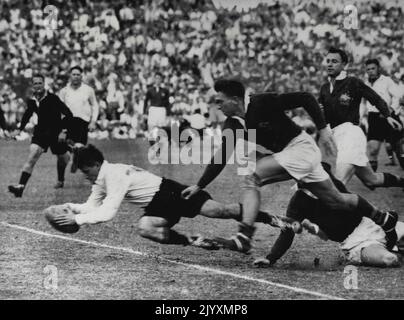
(78, 131)
(167, 203)
(46, 139)
(380, 130)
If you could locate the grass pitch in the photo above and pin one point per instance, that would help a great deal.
(111, 261)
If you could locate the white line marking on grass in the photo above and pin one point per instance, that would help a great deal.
(194, 266)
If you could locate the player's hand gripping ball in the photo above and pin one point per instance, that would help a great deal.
(61, 218)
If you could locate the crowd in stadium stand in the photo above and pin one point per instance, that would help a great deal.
(121, 45)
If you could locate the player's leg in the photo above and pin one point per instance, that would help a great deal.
(376, 136)
(374, 180)
(61, 150)
(373, 153)
(35, 152)
(214, 209)
(218, 210)
(159, 229)
(335, 200)
(266, 168)
(376, 255)
(390, 153)
(61, 164)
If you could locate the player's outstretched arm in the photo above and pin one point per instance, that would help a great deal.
(219, 159)
(279, 248)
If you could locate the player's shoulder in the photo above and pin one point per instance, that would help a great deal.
(52, 95)
(260, 99)
(87, 87)
(354, 80)
(234, 123)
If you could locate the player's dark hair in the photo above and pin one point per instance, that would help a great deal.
(342, 54)
(38, 75)
(76, 68)
(231, 88)
(372, 61)
(87, 156)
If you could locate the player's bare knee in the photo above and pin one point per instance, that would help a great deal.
(145, 227)
(252, 181)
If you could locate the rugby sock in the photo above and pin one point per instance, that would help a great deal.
(61, 166)
(176, 238)
(391, 180)
(367, 210)
(246, 230)
(240, 216)
(24, 178)
(374, 165)
(262, 216)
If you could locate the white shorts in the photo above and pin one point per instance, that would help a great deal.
(157, 117)
(351, 143)
(364, 235)
(301, 158)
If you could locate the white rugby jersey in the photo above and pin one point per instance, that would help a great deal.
(116, 182)
(81, 102)
(386, 88)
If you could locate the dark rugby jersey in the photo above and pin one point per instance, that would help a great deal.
(266, 114)
(49, 111)
(336, 224)
(157, 98)
(343, 103)
(274, 129)
(219, 160)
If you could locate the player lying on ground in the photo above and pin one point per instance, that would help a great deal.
(361, 240)
(295, 155)
(160, 197)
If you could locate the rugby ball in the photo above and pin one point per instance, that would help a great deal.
(52, 212)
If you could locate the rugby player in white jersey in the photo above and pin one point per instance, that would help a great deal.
(379, 130)
(81, 100)
(161, 199)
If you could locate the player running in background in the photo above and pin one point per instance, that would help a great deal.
(341, 97)
(157, 107)
(47, 133)
(160, 198)
(361, 240)
(81, 100)
(379, 130)
(296, 155)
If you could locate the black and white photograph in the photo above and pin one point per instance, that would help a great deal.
(201, 156)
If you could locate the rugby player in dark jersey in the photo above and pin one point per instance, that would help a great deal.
(47, 133)
(295, 156)
(341, 97)
(361, 240)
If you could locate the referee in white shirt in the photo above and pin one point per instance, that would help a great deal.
(379, 130)
(81, 100)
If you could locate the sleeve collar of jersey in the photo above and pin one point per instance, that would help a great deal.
(43, 97)
(341, 76)
(241, 120)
